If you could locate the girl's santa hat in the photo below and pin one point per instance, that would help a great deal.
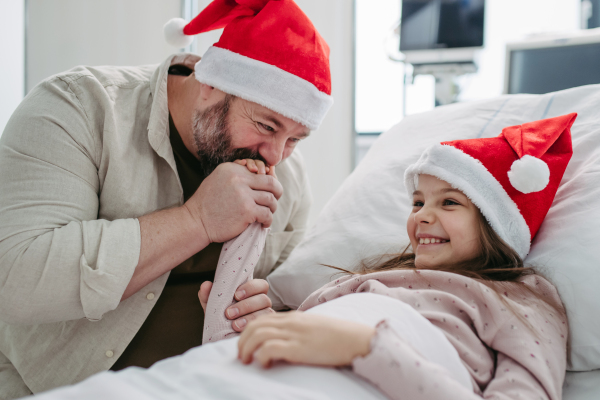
(269, 53)
(512, 178)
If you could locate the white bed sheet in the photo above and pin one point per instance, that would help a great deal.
(582, 385)
(212, 371)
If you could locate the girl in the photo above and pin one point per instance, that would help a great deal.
(477, 204)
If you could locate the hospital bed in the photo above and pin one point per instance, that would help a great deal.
(365, 218)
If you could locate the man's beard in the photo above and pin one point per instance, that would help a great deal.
(213, 139)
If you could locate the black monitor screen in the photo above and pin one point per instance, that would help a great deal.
(550, 69)
(435, 24)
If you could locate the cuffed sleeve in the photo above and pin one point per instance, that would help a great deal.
(112, 245)
(58, 261)
(402, 373)
(531, 360)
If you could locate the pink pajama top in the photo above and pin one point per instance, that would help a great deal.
(505, 358)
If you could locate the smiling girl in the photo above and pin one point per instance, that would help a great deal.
(477, 205)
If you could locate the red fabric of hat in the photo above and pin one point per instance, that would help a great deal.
(512, 178)
(269, 53)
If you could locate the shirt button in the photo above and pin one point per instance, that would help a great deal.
(109, 353)
(150, 296)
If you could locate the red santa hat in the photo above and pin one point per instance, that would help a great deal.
(511, 178)
(269, 53)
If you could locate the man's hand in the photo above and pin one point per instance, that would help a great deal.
(231, 198)
(252, 302)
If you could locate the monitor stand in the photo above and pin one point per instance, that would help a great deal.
(446, 89)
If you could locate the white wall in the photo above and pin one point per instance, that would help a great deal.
(64, 33)
(12, 29)
(329, 150)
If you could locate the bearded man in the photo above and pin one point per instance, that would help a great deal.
(118, 189)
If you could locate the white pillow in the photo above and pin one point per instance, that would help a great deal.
(367, 216)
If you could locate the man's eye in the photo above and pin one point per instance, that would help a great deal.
(418, 204)
(266, 127)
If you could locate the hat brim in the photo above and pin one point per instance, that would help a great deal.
(471, 177)
(264, 84)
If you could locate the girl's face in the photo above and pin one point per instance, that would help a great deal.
(443, 226)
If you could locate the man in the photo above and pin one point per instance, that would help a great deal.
(118, 188)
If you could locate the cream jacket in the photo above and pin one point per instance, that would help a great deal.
(84, 155)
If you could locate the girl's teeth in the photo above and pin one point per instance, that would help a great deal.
(431, 240)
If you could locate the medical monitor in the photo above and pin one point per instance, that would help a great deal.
(439, 31)
(548, 64)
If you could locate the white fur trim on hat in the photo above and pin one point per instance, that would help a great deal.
(471, 177)
(529, 174)
(173, 31)
(265, 84)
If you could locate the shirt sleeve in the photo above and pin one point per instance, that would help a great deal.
(513, 381)
(531, 357)
(235, 267)
(58, 261)
(401, 373)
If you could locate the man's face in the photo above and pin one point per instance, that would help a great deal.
(234, 128)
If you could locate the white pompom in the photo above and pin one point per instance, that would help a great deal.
(529, 174)
(174, 35)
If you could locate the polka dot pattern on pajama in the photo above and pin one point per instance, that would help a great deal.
(236, 267)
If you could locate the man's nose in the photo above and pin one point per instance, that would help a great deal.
(272, 152)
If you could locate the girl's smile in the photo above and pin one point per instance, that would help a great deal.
(425, 239)
(443, 226)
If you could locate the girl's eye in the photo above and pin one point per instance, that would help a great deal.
(266, 127)
(449, 202)
(418, 204)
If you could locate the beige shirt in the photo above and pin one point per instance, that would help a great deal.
(84, 155)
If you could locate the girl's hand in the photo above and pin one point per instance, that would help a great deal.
(257, 166)
(301, 338)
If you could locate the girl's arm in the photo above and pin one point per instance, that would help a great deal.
(382, 357)
(402, 373)
(237, 261)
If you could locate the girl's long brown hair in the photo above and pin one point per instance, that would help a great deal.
(498, 266)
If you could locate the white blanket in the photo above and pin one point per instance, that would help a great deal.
(212, 371)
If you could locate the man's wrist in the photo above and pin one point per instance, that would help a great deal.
(194, 227)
